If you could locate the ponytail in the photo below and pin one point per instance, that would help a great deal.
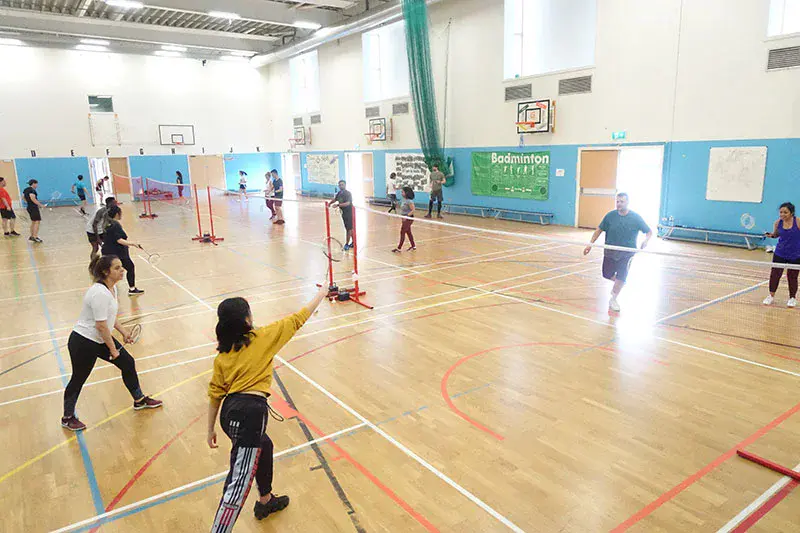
(234, 330)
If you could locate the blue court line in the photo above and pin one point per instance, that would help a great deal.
(94, 488)
(282, 457)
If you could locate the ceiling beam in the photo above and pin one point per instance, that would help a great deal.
(261, 10)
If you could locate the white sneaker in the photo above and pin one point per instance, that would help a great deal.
(613, 304)
(768, 300)
(792, 302)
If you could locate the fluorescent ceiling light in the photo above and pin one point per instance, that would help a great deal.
(91, 48)
(173, 48)
(324, 32)
(99, 42)
(233, 58)
(224, 15)
(125, 4)
(242, 53)
(167, 53)
(307, 25)
(11, 42)
(10, 33)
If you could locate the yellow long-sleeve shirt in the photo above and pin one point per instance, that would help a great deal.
(250, 369)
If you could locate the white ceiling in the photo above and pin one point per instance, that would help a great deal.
(264, 26)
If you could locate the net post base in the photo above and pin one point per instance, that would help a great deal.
(208, 239)
(355, 297)
(766, 463)
(150, 216)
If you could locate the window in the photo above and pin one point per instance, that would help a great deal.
(101, 104)
(304, 74)
(385, 63)
(784, 17)
(544, 36)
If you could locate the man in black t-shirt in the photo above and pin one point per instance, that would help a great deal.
(344, 201)
(277, 186)
(32, 205)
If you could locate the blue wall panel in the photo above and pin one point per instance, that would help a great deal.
(256, 165)
(160, 167)
(54, 174)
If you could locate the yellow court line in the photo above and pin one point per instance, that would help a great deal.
(44, 454)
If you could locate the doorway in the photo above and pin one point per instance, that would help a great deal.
(360, 176)
(99, 169)
(207, 170)
(120, 176)
(636, 170)
(292, 179)
(9, 171)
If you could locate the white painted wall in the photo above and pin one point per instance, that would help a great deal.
(43, 102)
(717, 87)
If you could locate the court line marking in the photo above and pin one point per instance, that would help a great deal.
(182, 488)
(715, 301)
(403, 448)
(757, 503)
(91, 477)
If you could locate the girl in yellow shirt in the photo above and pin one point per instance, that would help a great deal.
(241, 385)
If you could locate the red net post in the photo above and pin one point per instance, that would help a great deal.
(331, 285)
(213, 237)
(355, 292)
(148, 206)
(199, 236)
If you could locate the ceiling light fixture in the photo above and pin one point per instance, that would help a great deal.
(307, 25)
(233, 58)
(173, 48)
(91, 48)
(224, 15)
(11, 42)
(98, 42)
(242, 53)
(125, 4)
(324, 32)
(167, 53)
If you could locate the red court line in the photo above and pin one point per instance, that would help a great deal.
(683, 485)
(449, 401)
(766, 507)
(139, 473)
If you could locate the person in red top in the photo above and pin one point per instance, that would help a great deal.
(7, 211)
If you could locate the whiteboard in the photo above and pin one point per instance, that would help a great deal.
(411, 170)
(737, 174)
(323, 168)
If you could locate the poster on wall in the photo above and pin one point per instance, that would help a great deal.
(411, 170)
(736, 174)
(323, 168)
(524, 175)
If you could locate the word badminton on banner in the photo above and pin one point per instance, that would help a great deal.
(524, 175)
(323, 168)
(411, 170)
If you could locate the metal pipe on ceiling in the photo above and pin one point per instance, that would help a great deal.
(361, 24)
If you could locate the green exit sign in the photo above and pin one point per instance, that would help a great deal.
(619, 135)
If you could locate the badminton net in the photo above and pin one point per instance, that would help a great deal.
(716, 295)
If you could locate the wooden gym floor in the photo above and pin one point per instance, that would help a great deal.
(488, 390)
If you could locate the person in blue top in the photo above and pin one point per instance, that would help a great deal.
(787, 252)
(80, 189)
(622, 228)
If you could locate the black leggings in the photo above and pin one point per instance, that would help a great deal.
(127, 263)
(244, 420)
(84, 353)
(791, 275)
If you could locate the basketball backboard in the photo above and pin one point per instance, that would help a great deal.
(174, 134)
(378, 132)
(536, 116)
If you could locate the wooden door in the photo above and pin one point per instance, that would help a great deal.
(119, 167)
(9, 172)
(368, 175)
(205, 170)
(598, 186)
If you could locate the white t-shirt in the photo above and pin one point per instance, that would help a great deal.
(99, 303)
(90, 220)
(391, 186)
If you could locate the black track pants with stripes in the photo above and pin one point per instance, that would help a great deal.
(244, 420)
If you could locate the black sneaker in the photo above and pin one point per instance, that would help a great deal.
(31, 239)
(275, 504)
(7, 234)
(14, 233)
(37, 239)
(135, 291)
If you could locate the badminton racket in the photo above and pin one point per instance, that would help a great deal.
(55, 197)
(152, 258)
(136, 332)
(333, 249)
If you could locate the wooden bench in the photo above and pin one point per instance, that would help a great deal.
(545, 219)
(751, 241)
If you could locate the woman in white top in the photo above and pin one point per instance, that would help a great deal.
(242, 185)
(91, 339)
(269, 191)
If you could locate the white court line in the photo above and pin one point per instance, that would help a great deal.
(710, 302)
(758, 502)
(183, 488)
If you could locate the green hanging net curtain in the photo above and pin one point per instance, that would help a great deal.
(423, 94)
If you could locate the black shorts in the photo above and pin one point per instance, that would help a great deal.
(782, 260)
(616, 266)
(95, 238)
(242, 187)
(347, 219)
(7, 214)
(437, 196)
(82, 196)
(34, 214)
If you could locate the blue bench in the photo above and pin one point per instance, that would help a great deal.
(751, 241)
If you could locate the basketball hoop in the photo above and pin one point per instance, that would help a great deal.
(294, 143)
(373, 137)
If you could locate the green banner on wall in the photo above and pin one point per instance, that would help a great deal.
(524, 175)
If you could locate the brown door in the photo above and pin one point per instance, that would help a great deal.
(598, 186)
(9, 172)
(368, 175)
(205, 170)
(119, 167)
